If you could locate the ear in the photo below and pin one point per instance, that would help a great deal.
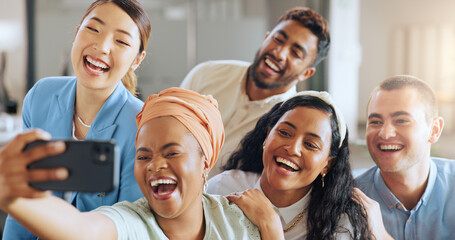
(307, 73)
(437, 125)
(205, 166)
(328, 165)
(138, 60)
(266, 35)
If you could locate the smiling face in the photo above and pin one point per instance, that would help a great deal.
(285, 57)
(169, 167)
(106, 46)
(296, 151)
(398, 133)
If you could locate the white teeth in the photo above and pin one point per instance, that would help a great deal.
(96, 63)
(287, 163)
(272, 65)
(157, 182)
(390, 147)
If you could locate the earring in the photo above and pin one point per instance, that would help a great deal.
(205, 182)
(322, 179)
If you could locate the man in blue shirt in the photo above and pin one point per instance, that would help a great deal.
(415, 191)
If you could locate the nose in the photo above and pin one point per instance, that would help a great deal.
(387, 131)
(294, 147)
(103, 44)
(157, 164)
(281, 53)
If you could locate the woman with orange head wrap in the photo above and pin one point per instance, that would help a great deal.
(179, 136)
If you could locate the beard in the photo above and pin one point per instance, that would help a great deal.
(282, 81)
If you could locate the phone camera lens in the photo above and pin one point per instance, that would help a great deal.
(102, 157)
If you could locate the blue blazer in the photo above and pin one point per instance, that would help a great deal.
(49, 105)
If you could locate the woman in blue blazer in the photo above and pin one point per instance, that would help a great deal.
(99, 103)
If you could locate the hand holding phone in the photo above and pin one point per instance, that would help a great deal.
(92, 166)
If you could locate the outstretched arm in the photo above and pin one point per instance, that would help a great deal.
(374, 215)
(46, 216)
(258, 208)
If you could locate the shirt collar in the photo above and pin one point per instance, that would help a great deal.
(392, 201)
(290, 212)
(430, 185)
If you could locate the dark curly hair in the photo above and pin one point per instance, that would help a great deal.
(328, 204)
(315, 23)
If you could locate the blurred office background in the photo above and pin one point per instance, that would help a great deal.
(371, 40)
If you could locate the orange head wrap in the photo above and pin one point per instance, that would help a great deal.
(198, 113)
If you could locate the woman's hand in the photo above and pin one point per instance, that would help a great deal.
(374, 215)
(257, 207)
(14, 175)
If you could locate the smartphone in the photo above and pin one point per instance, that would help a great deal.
(93, 166)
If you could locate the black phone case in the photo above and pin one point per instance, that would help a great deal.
(92, 166)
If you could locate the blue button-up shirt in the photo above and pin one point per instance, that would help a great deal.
(434, 215)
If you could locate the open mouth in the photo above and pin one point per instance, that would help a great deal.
(286, 164)
(95, 66)
(163, 186)
(271, 64)
(390, 147)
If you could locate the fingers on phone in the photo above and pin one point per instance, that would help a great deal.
(40, 175)
(48, 149)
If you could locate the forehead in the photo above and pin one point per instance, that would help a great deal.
(297, 33)
(307, 119)
(163, 130)
(113, 16)
(387, 102)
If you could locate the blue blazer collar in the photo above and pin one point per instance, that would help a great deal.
(104, 125)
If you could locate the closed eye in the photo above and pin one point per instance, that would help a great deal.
(172, 154)
(284, 133)
(92, 29)
(311, 145)
(123, 43)
(142, 158)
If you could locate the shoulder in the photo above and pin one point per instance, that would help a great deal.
(232, 181)
(48, 85)
(226, 220)
(222, 64)
(133, 104)
(214, 71)
(446, 168)
(365, 180)
(444, 164)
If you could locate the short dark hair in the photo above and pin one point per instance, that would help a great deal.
(315, 23)
(426, 94)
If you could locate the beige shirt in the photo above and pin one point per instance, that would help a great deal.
(225, 80)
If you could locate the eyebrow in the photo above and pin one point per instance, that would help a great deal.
(144, 149)
(400, 113)
(301, 48)
(293, 126)
(103, 23)
(395, 114)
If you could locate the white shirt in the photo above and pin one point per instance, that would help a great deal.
(237, 181)
(225, 80)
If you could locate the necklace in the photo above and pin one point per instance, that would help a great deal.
(83, 124)
(297, 220)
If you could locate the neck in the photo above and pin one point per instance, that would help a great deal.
(408, 186)
(255, 93)
(282, 198)
(88, 102)
(188, 225)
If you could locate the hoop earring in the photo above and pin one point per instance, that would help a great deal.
(205, 183)
(322, 179)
